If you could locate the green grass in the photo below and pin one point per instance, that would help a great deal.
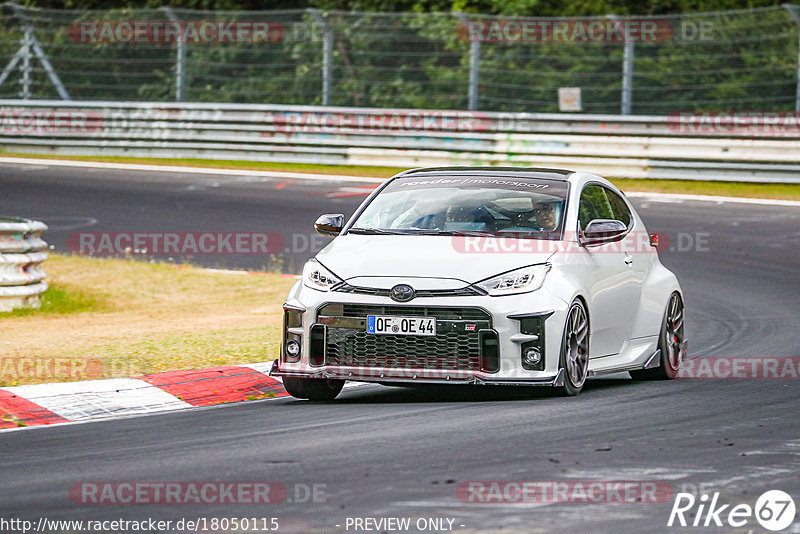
(159, 352)
(694, 187)
(117, 317)
(352, 170)
(62, 300)
(700, 187)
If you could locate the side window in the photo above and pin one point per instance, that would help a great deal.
(594, 205)
(618, 206)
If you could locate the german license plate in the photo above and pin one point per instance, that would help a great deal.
(403, 326)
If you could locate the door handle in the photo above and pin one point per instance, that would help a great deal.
(628, 260)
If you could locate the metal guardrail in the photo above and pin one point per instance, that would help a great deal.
(21, 257)
(612, 145)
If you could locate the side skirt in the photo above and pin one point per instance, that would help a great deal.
(652, 362)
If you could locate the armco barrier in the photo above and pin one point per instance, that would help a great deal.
(613, 145)
(21, 257)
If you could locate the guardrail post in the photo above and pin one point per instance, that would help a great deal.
(327, 55)
(25, 81)
(474, 74)
(795, 14)
(626, 98)
(627, 76)
(180, 60)
(474, 67)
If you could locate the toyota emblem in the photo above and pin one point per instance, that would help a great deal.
(402, 293)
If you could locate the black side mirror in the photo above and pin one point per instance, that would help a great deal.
(329, 224)
(602, 231)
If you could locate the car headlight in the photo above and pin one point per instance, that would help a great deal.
(517, 281)
(316, 276)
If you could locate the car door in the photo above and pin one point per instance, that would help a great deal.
(638, 254)
(613, 285)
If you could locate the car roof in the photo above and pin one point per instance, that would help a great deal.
(561, 175)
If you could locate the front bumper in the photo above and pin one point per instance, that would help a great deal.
(391, 376)
(336, 346)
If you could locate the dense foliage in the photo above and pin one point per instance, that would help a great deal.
(489, 7)
(413, 54)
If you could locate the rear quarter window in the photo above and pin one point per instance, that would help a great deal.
(619, 207)
(594, 205)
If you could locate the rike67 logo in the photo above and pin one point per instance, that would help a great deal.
(774, 510)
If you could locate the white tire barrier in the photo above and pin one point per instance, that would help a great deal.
(22, 252)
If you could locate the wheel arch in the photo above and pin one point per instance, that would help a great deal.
(585, 302)
(657, 289)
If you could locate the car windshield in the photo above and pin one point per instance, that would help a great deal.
(452, 205)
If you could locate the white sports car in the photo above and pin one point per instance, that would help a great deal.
(495, 276)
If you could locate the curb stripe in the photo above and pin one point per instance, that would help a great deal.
(14, 408)
(65, 402)
(217, 385)
(94, 399)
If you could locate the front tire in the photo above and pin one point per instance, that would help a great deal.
(575, 350)
(670, 343)
(315, 389)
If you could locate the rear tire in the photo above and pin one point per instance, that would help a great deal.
(574, 358)
(670, 343)
(315, 389)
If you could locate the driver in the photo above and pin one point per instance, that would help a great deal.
(545, 215)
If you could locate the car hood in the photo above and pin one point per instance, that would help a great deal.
(356, 257)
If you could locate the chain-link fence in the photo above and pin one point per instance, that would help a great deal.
(730, 60)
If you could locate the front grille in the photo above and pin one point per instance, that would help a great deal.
(452, 348)
(346, 347)
(463, 292)
(449, 314)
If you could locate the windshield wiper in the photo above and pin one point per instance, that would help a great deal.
(468, 233)
(478, 233)
(373, 231)
(417, 231)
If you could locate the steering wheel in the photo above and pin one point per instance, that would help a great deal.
(518, 218)
(427, 222)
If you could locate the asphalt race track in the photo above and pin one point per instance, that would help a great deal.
(401, 452)
(74, 200)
